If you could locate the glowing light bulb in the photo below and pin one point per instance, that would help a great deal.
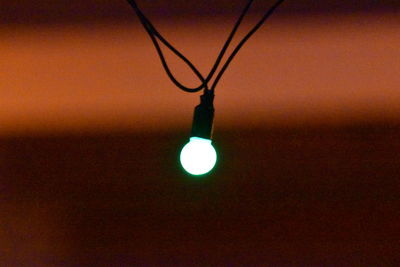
(198, 157)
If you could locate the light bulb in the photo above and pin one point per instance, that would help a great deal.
(198, 157)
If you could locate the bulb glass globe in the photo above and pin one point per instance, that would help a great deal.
(198, 157)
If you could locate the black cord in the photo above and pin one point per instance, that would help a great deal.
(151, 30)
(244, 40)
(153, 33)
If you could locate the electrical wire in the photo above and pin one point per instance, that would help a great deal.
(166, 67)
(153, 33)
(244, 40)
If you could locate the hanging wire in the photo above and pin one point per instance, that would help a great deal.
(153, 33)
(244, 40)
(165, 64)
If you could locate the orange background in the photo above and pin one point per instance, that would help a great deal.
(297, 70)
(307, 130)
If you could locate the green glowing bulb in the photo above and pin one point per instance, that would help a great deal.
(198, 157)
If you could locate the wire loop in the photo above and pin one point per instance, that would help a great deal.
(154, 35)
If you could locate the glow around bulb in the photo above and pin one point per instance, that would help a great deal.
(198, 157)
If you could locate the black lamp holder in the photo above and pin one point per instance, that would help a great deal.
(203, 117)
